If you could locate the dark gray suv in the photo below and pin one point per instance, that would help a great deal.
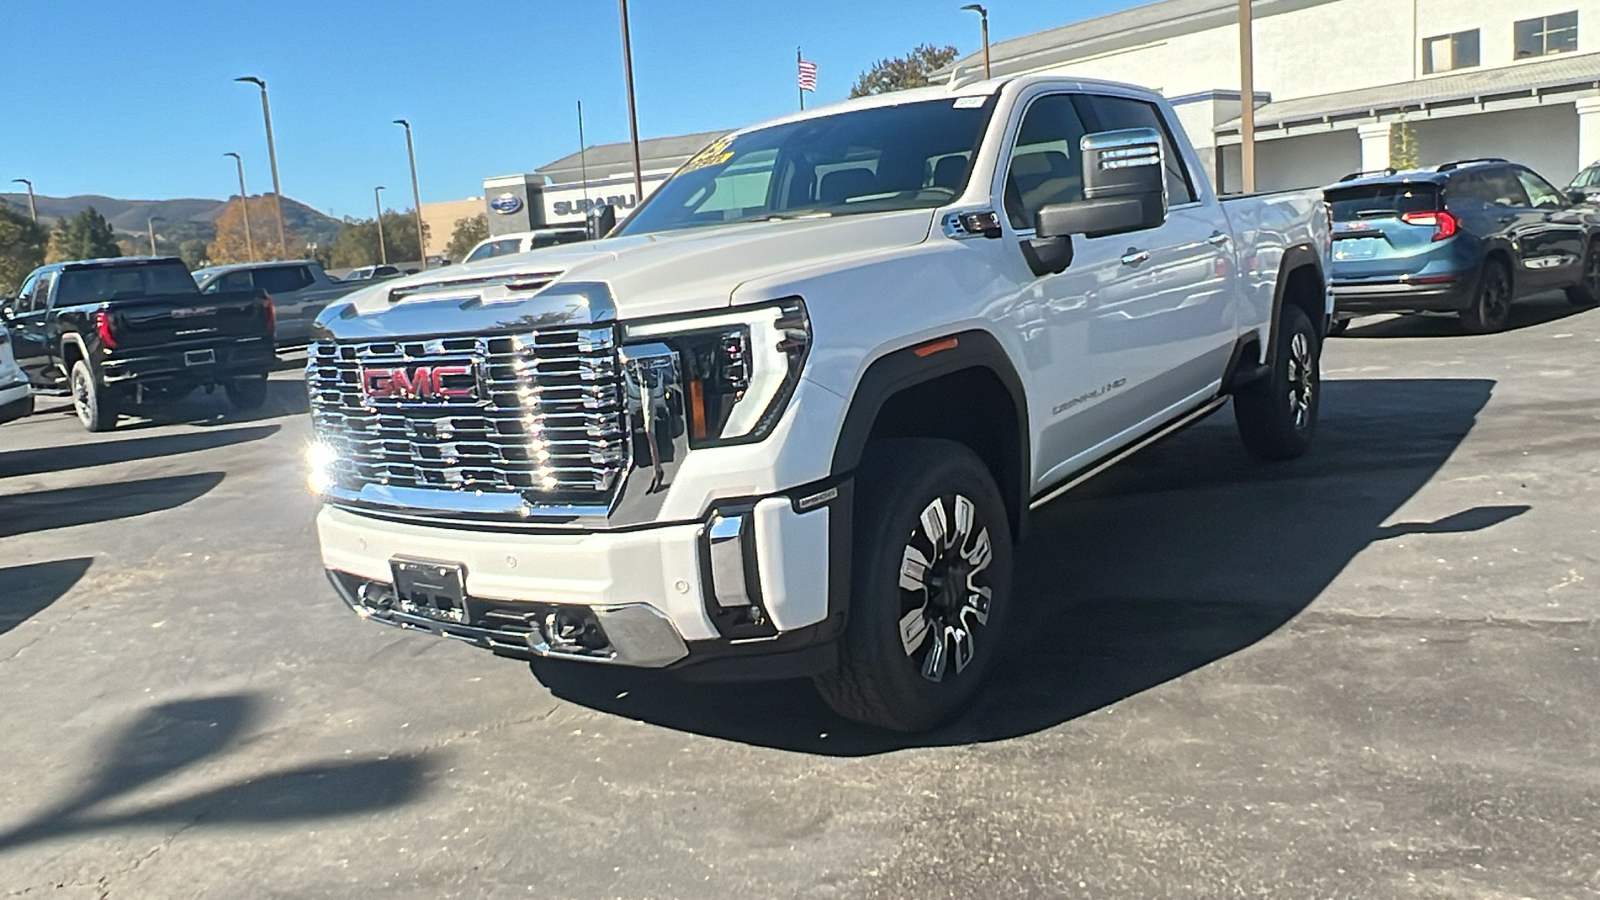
(1466, 237)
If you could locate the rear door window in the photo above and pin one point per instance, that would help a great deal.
(1379, 201)
(282, 279)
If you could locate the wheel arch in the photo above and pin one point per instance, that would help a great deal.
(72, 350)
(1300, 283)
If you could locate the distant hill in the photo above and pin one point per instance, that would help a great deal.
(186, 218)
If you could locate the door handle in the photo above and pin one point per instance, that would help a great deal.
(1218, 239)
(1135, 257)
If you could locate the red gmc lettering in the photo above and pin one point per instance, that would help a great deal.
(420, 383)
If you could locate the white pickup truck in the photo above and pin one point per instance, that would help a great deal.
(790, 418)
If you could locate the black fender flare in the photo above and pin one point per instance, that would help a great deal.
(1295, 258)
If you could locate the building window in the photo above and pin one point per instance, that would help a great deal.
(1546, 35)
(1450, 51)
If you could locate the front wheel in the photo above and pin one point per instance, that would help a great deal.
(1277, 414)
(93, 403)
(931, 588)
(247, 393)
(1587, 291)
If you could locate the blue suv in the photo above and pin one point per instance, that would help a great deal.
(1466, 237)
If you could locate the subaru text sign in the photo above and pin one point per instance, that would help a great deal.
(506, 203)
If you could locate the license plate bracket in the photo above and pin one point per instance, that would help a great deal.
(199, 357)
(433, 589)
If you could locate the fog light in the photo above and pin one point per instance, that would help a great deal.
(570, 629)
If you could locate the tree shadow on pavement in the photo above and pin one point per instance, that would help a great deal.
(173, 737)
(81, 456)
(1188, 552)
(65, 507)
(1524, 314)
(28, 589)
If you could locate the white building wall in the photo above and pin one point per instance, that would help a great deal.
(1545, 139)
(1495, 21)
(1341, 46)
(1311, 160)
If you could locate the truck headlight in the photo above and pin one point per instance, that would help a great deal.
(740, 367)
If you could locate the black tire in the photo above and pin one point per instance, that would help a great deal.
(901, 660)
(1277, 414)
(1338, 327)
(94, 404)
(1587, 291)
(247, 393)
(1491, 306)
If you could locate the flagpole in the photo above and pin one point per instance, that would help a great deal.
(799, 58)
(583, 157)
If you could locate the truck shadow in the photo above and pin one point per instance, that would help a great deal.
(27, 590)
(1534, 311)
(64, 507)
(101, 453)
(1187, 553)
(285, 397)
(170, 739)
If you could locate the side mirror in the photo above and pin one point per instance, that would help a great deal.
(601, 220)
(6, 312)
(1124, 188)
(1577, 197)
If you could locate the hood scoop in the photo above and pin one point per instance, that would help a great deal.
(519, 283)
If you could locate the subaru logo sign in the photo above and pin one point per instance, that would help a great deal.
(506, 204)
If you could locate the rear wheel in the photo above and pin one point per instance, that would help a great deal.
(1277, 414)
(1492, 306)
(247, 393)
(931, 588)
(1587, 291)
(95, 406)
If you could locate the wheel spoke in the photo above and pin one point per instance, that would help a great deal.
(966, 513)
(934, 524)
(914, 570)
(961, 642)
(980, 554)
(913, 629)
(934, 665)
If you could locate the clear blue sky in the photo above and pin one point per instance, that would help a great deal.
(136, 99)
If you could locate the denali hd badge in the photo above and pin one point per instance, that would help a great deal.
(435, 384)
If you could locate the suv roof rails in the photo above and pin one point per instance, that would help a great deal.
(1354, 175)
(1446, 167)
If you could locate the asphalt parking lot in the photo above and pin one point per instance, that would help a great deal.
(1369, 673)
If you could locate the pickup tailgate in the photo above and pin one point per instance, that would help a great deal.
(187, 319)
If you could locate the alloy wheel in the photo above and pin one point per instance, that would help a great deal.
(944, 587)
(80, 397)
(1302, 378)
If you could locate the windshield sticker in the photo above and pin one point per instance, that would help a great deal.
(714, 155)
(970, 102)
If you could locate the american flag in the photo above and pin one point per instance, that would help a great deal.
(808, 76)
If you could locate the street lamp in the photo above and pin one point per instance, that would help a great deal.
(150, 225)
(272, 157)
(32, 210)
(983, 14)
(416, 193)
(377, 200)
(244, 199)
(633, 115)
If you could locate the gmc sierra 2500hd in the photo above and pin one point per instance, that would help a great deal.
(790, 418)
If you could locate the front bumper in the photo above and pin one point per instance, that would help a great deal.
(1370, 297)
(657, 597)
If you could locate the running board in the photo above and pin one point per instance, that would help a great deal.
(1175, 425)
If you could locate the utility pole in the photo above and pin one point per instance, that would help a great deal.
(32, 210)
(150, 225)
(416, 193)
(583, 159)
(1247, 99)
(377, 200)
(244, 200)
(633, 114)
(984, 14)
(272, 157)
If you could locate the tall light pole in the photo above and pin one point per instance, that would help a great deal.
(633, 115)
(150, 225)
(272, 157)
(1247, 100)
(416, 193)
(377, 200)
(983, 14)
(32, 210)
(244, 200)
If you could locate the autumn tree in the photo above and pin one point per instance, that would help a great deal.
(901, 72)
(22, 247)
(230, 246)
(86, 235)
(357, 243)
(467, 234)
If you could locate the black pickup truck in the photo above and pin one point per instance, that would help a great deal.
(116, 333)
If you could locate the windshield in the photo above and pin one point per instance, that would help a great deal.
(911, 156)
(1382, 200)
(96, 283)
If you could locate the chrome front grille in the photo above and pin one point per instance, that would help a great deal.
(527, 420)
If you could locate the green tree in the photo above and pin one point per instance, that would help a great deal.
(903, 72)
(357, 243)
(467, 234)
(22, 247)
(1403, 151)
(86, 235)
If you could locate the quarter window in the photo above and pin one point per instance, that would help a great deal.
(1546, 35)
(1542, 194)
(1449, 52)
(1047, 162)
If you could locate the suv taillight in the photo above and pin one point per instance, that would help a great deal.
(1443, 224)
(102, 327)
(271, 313)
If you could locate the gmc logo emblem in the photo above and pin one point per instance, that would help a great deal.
(419, 383)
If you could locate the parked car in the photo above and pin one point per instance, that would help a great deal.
(523, 241)
(790, 417)
(1585, 186)
(1467, 237)
(372, 273)
(16, 395)
(115, 333)
(299, 290)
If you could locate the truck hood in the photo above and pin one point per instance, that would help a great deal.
(647, 275)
